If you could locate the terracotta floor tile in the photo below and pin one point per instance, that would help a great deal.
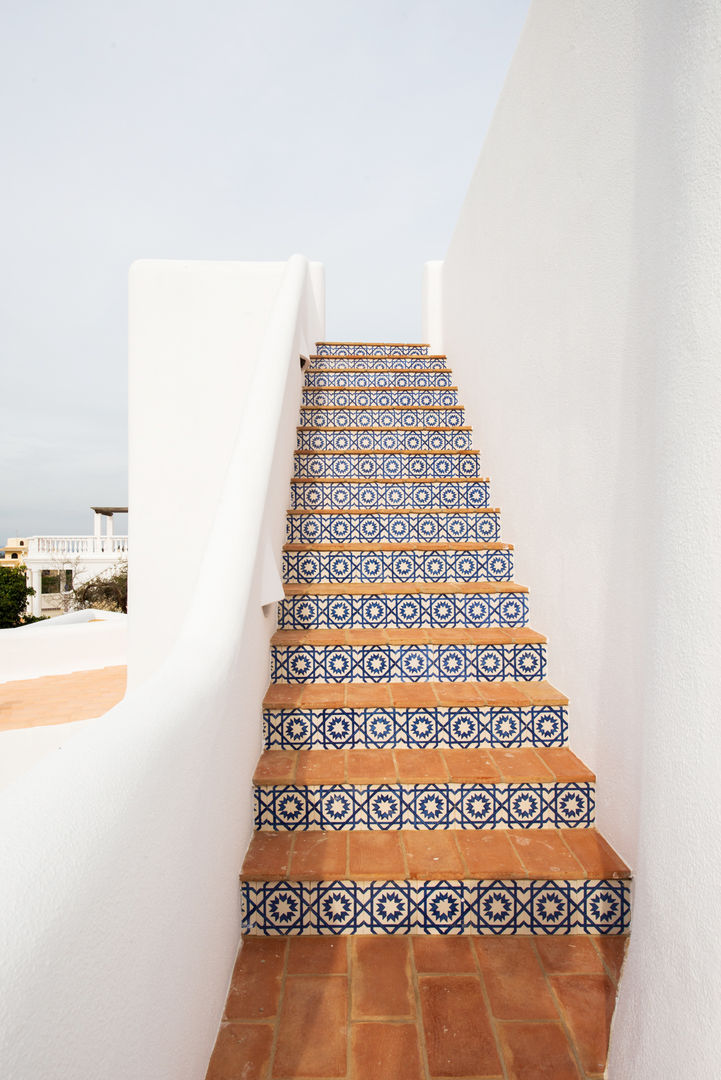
(459, 693)
(322, 696)
(268, 855)
(371, 767)
(360, 694)
(275, 767)
(417, 765)
(489, 854)
(381, 978)
(432, 854)
(471, 765)
(241, 1050)
(515, 982)
(595, 854)
(573, 954)
(613, 951)
(458, 1035)
(564, 764)
(376, 855)
(504, 693)
(320, 766)
(312, 1035)
(317, 955)
(587, 1003)
(319, 856)
(542, 693)
(255, 984)
(544, 854)
(54, 699)
(408, 695)
(385, 1050)
(520, 765)
(280, 694)
(537, 1052)
(443, 955)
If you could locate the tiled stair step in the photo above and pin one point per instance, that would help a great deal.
(386, 464)
(366, 439)
(423, 789)
(464, 715)
(370, 348)
(377, 363)
(394, 377)
(307, 563)
(398, 604)
(380, 397)
(498, 882)
(341, 656)
(391, 416)
(328, 493)
(392, 526)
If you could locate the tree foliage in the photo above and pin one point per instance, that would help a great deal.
(14, 593)
(109, 592)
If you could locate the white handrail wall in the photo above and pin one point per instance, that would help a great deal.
(119, 858)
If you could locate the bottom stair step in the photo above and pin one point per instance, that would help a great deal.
(500, 882)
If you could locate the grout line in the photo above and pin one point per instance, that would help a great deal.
(489, 1010)
(276, 1025)
(561, 1015)
(420, 1026)
(349, 996)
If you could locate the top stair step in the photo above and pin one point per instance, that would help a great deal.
(370, 348)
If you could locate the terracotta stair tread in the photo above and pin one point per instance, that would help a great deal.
(434, 636)
(404, 695)
(396, 427)
(363, 389)
(374, 408)
(411, 588)
(404, 370)
(390, 480)
(481, 545)
(405, 510)
(417, 855)
(545, 765)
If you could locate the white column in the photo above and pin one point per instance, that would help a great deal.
(97, 524)
(36, 580)
(109, 525)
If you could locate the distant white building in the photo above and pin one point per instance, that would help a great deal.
(60, 561)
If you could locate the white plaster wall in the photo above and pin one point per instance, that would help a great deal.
(581, 316)
(119, 858)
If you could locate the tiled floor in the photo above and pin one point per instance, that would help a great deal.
(416, 1008)
(59, 699)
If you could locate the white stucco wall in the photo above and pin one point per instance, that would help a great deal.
(119, 857)
(580, 311)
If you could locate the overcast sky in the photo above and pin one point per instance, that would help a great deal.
(346, 130)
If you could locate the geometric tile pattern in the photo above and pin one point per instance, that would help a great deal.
(380, 397)
(351, 437)
(463, 727)
(403, 610)
(374, 348)
(406, 564)
(388, 494)
(397, 378)
(289, 807)
(423, 662)
(436, 907)
(387, 466)
(392, 527)
(377, 363)
(391, 416)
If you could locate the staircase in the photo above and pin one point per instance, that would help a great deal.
(416, 777)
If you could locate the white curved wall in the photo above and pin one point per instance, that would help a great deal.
(119, 858)
(579, 308)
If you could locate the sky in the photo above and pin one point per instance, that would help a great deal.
(346, 130)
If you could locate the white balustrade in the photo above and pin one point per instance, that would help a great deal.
(76, 545)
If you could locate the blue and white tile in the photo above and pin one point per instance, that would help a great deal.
(391, 417)
(388, 494)
(364, 348)
(395, 380)
(317, 566)
(416, 397)
(398, 610)
(386, 466)
(352, 437)
(389, 527)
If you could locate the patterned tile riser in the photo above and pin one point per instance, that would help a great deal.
(403, 610)
(598, 907)
(392, 379)
(412, 440)
(406, 663)
(369, 466)
(383, 418)
(364, 348)
(461, 727)
(377, 363)
(379, 528)
(390, 807)
(306, 567)
(379, 399)
(395, 495)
